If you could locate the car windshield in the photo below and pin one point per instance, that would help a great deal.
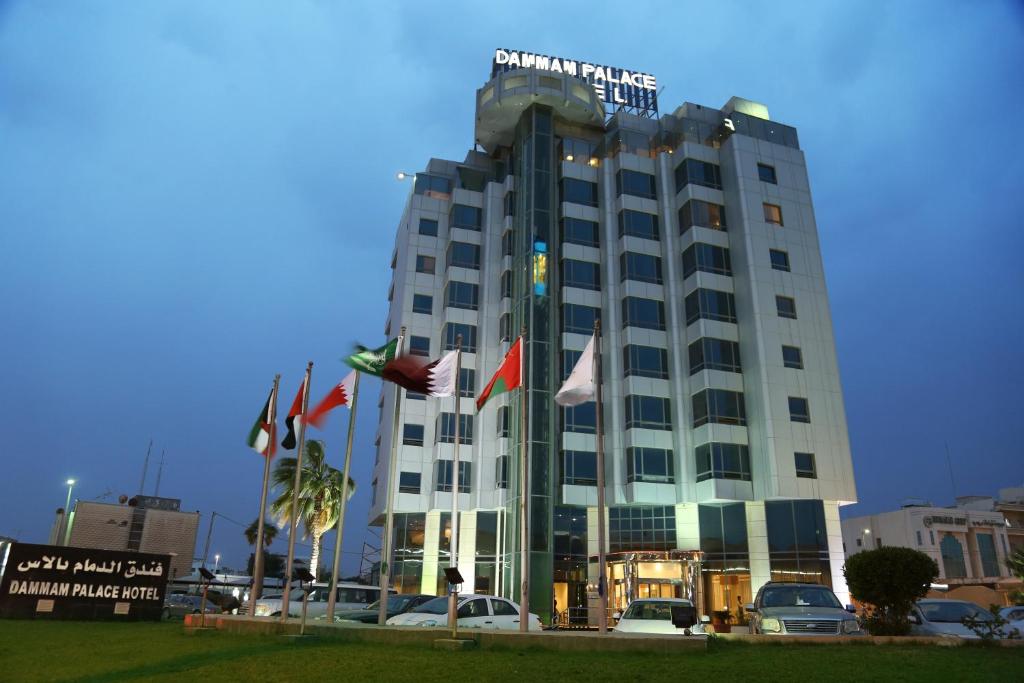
(952, 612)
(435, 606)
(654, 610)
(799, 596)
(396, 603)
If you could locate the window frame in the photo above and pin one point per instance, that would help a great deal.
(772, 177)
(785, 307)
(802, 471)
(783, 265)
(408, 487)
(796, 416)
(797, 364)
(422, 261)
(770, 211)
(417, 304)
(427, 221)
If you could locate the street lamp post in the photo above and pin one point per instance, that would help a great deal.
(67, 512)
(216, 562)
(402, 175)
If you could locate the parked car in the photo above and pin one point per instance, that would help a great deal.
(1015, 616)
(178, 605)
(474, 611)
(798, 609)
(350, 596)
(940, 617)
(397, 604)
(654, 615)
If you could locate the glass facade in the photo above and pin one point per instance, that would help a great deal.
(953, 565)
(641, 527)
(987, 553)
(725, 571)
(797, 541)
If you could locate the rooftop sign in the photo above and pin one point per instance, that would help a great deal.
(618, 88)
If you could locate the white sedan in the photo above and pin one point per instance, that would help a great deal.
(654, 616)
(475, 611)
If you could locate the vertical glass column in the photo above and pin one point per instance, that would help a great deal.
(533, 273)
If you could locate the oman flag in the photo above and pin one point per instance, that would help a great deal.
(339, 395)
(508, 377)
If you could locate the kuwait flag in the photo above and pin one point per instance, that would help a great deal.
(340, 395)
(508, 377)
(289, 441)
(415, 373)
(261, 436)
(372, 361)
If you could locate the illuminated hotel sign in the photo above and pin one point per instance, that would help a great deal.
(618, 88)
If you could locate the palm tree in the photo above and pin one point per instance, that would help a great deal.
(319, 496)
(269, 532)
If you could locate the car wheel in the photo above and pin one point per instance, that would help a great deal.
(195, 611)
(165, 615)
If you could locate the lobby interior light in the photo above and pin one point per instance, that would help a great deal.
(568, 157)
(867, 531)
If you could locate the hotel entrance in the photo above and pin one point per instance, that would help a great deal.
(653, 574)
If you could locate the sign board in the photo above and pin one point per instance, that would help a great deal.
(59, 582)
(948, 520)
(618, 88)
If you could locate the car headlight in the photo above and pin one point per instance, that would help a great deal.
(850, 626)
(771, 625)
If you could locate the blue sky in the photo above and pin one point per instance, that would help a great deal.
(195, 196)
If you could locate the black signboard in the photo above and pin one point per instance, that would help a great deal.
(56, 582)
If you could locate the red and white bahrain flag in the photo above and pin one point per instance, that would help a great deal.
(339, 395)
(422, 376)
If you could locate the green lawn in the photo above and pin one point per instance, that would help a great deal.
(70, 651)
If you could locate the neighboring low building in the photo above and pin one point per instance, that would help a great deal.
(151, 525)
(969, 541)
(1011, 504)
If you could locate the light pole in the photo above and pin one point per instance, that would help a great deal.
(67, 512)
(402, 175)
(216, 562)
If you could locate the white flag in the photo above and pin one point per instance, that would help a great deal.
(580, 387)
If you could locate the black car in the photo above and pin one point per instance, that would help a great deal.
(397, 604)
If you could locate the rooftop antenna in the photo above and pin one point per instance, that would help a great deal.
(145, 466)
(159, 473)
(949, 465)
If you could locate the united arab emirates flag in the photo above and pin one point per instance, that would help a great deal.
(508, 377)
(261, 436)
(372, 361)
(290, 440)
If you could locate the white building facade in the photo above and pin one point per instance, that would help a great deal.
(692, 238)
(969, 542)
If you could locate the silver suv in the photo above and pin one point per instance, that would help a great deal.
(800, 609)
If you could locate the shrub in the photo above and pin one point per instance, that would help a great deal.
(889, 580)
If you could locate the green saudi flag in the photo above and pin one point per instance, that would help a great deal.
(372, 361)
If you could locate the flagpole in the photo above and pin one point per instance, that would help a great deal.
(524, 492)
(339, 533)
(289, 567)
(389, 516)
(602, 583)
(453, 599)
(257, 564)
